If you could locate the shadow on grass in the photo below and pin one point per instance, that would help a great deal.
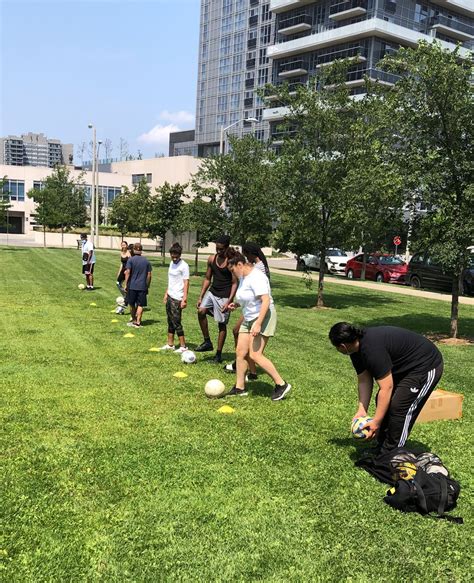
(424, 323)
(359, 449)
(147, 322)
(333, 300)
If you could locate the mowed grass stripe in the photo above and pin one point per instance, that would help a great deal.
(115, 470)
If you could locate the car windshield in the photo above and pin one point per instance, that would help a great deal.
(335, 253)
(391, 261)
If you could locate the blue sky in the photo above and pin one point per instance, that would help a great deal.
(129, 67)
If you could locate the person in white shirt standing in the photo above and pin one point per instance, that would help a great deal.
(254, 296)
(176, 297)
(88, 261)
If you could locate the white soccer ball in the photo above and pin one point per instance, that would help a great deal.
(188, 357)
(81, 286)
(214, 388)
(120, 301)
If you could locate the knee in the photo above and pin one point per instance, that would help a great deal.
(202, 313)
(241, 352)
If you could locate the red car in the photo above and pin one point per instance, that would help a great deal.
(383, 268)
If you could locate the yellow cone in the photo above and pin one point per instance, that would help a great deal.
(93, 304)
(180, 375)
(114, 321)
(113, 312)
(129, 335)
(226, 409)
(153, 349)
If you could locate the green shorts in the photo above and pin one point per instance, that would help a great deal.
(268, 324)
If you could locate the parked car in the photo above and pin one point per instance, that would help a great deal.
(425, 271)
(383, 268)
(335, 261)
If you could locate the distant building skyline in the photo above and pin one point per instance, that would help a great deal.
(33, 149)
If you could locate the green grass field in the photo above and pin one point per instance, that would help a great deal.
(114, 470)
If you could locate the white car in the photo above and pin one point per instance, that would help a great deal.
(335, 261)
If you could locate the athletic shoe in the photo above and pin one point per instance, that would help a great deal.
(230, 367)
(131, 324)
(167, 347)
(136, 325)
(235, 392)
(217, 359)
(280, 391)
(252, 376)
(206, 346)
(181, 349)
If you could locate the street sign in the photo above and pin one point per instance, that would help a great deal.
(397, 240)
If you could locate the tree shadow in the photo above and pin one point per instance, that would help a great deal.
(335, 301)
(424, 323)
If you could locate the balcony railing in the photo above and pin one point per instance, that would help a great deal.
(452, 27)
(253, 20)
(251, 43)
(293, 68)
(295, 24)
(356, 53)
(250, 83)
(347, 9)
(248, 102)
(250, 64)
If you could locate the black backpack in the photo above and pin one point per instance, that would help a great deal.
(425, 493)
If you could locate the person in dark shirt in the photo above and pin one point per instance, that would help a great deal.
(406, 366)
(137, 283)
(217, 292)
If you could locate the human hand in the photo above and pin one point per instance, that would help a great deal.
(198, 303)
(255, 329)
(232, 306)
(372, 427)
(184, 303)
(165, 298)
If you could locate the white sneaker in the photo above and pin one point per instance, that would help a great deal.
(181, 349)
(167, 347)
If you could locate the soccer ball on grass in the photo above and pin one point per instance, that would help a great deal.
(214, 388)
(188, 357)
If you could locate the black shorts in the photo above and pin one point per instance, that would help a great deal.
(136, 298)
(88, 268)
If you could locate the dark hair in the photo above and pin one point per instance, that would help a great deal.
(137, 247)
(176, 248)
(255, 250)
(83, 235)
(234, 257)
(125, 243)
(223, 240)
(344, 333)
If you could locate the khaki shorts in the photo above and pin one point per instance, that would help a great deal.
(268, 324)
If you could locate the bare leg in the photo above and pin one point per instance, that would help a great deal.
(257, 346)
(202, 317)
(133, 312)
(241, 359)
(221, 337)
(170, 339)
(182, 341)
(139, 312)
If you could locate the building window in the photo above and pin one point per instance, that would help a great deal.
(136, 178)
(37, 185)
(16, 189)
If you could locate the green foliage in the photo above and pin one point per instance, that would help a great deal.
(130, 209)
(164, 210)
(241, 183)
(433, 113)
(60, 203)
(205, 217)
(4, 201)
(114, 470)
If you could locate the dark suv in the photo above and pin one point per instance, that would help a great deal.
(425, 271)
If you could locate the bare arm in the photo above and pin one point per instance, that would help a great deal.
(383, 404)
(148, 280)
(365, 387)
(257, 325)
(184, 301)
(127, 276)
(207, 280)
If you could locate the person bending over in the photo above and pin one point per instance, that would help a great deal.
(406, 367)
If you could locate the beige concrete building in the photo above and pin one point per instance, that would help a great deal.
(157, 171)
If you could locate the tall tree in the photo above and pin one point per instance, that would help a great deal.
(433, 113)
(241, 182)
(4, 201)
(164, 211)
(60, 202)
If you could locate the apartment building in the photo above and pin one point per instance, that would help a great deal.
(34, 150)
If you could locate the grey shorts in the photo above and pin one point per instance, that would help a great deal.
(214, 306)
(268, 325)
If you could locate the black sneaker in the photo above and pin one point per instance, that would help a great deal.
(280, 391)
(235, 392)
(252, 376)
(217, 359)
(205, 346)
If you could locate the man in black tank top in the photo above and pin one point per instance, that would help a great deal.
(217, 292)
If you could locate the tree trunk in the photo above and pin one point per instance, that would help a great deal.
(62, 236)
(44, 236)
(457, 281)
(163, 250)
(364, 265)
(322, 270)
(196, 262)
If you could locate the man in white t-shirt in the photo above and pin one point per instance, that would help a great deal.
(88, 261)
(176, 297)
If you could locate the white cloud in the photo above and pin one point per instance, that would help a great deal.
(159, 135)
(178, 117)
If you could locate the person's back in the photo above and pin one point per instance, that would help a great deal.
(139, 268)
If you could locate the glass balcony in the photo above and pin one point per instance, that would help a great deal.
(347, 9)
(277, 6)
(294, 68)
(295, 24)
(452, 28)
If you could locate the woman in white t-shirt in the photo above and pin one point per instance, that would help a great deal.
(254, 296)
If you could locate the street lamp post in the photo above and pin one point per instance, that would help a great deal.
(224, 129)
(92, 205)
(97, 198)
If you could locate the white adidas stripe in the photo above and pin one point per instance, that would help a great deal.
(426, 387)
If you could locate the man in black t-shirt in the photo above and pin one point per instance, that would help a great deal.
(217, 292)
(405, 365)
(137, 282)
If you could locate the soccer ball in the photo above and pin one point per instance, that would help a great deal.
(214, 388)
(356, 427)
(81, 286)
(120, 310)
(188, 357)
(120, 301)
